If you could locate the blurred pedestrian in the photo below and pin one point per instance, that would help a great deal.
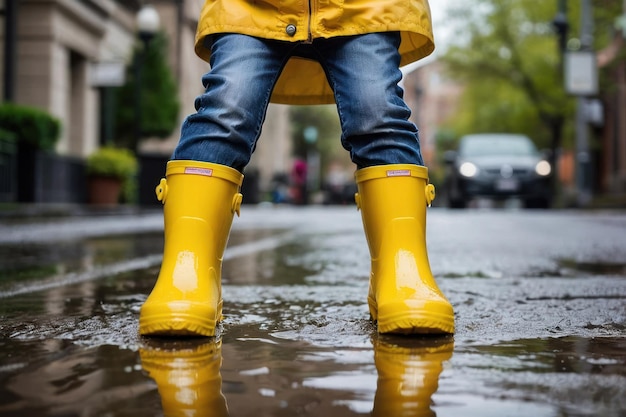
(295, 52)
(299, 192)
(280, 188)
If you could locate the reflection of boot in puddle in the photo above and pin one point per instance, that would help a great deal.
(187, 374)
(408, 374)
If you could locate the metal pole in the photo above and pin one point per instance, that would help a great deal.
(10, 38)
(108, 106)
(561, 25)
(138, 67)
(583, 157)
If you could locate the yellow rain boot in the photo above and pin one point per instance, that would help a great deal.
(187, 377)
(403, 295)
(200, 200)
(408, 376)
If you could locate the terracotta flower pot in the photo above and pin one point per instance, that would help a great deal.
(104, 190)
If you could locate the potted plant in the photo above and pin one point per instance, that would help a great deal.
(108, 170)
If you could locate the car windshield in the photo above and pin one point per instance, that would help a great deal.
(496, 145)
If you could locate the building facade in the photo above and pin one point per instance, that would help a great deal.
(433, 99)
(63, 56)
(57, 44)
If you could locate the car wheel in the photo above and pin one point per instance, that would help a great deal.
(537, 203)
(455, 203)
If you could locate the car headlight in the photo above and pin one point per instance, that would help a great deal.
(467, 169)
(543, 168)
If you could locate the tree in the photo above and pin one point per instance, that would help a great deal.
(511, 64)
(508, 56)
(159, 96)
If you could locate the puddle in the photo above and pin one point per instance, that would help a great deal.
(571, 376)
(56, 378)
(24, 263)
(35, 267)
(596, 268)
(600, 355)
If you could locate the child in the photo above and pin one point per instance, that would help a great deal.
(297, 52)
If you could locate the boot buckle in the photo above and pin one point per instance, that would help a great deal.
(357, 200)
(430, 194)
(236, 205)
(161, 190)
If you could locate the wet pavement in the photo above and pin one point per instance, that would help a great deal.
(539, 296)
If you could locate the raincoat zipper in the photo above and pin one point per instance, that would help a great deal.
(309, 38)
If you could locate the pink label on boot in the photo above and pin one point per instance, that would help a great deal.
(399, 173)
(207, 172)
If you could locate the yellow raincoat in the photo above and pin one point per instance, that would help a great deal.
(303, 81)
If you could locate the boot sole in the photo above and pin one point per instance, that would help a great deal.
(414, 321)
(177, 325)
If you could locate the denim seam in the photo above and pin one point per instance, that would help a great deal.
(268, 95)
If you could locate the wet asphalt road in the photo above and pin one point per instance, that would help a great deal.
(540, 301)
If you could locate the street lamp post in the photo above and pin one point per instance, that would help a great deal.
(10, 41)
(580, 75)
(312, 161)
(148, 23)
(561, 25)
(584, 175)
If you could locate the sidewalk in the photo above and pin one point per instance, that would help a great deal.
(47, 223)
(35, 211)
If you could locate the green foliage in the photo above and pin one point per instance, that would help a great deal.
(116, 163)
(159, 95)
(510, 63)
(446, 139)
(6, 136)
(606, 13)
(112, 162)
(499, 108)
(323, 118)
(507, 55)
(30, 125)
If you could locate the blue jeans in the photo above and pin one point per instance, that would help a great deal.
(362, 71)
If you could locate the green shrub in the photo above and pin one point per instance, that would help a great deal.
(30, 125)
(159, 96)
(7, 143)
(112, 162)
(6, 136)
